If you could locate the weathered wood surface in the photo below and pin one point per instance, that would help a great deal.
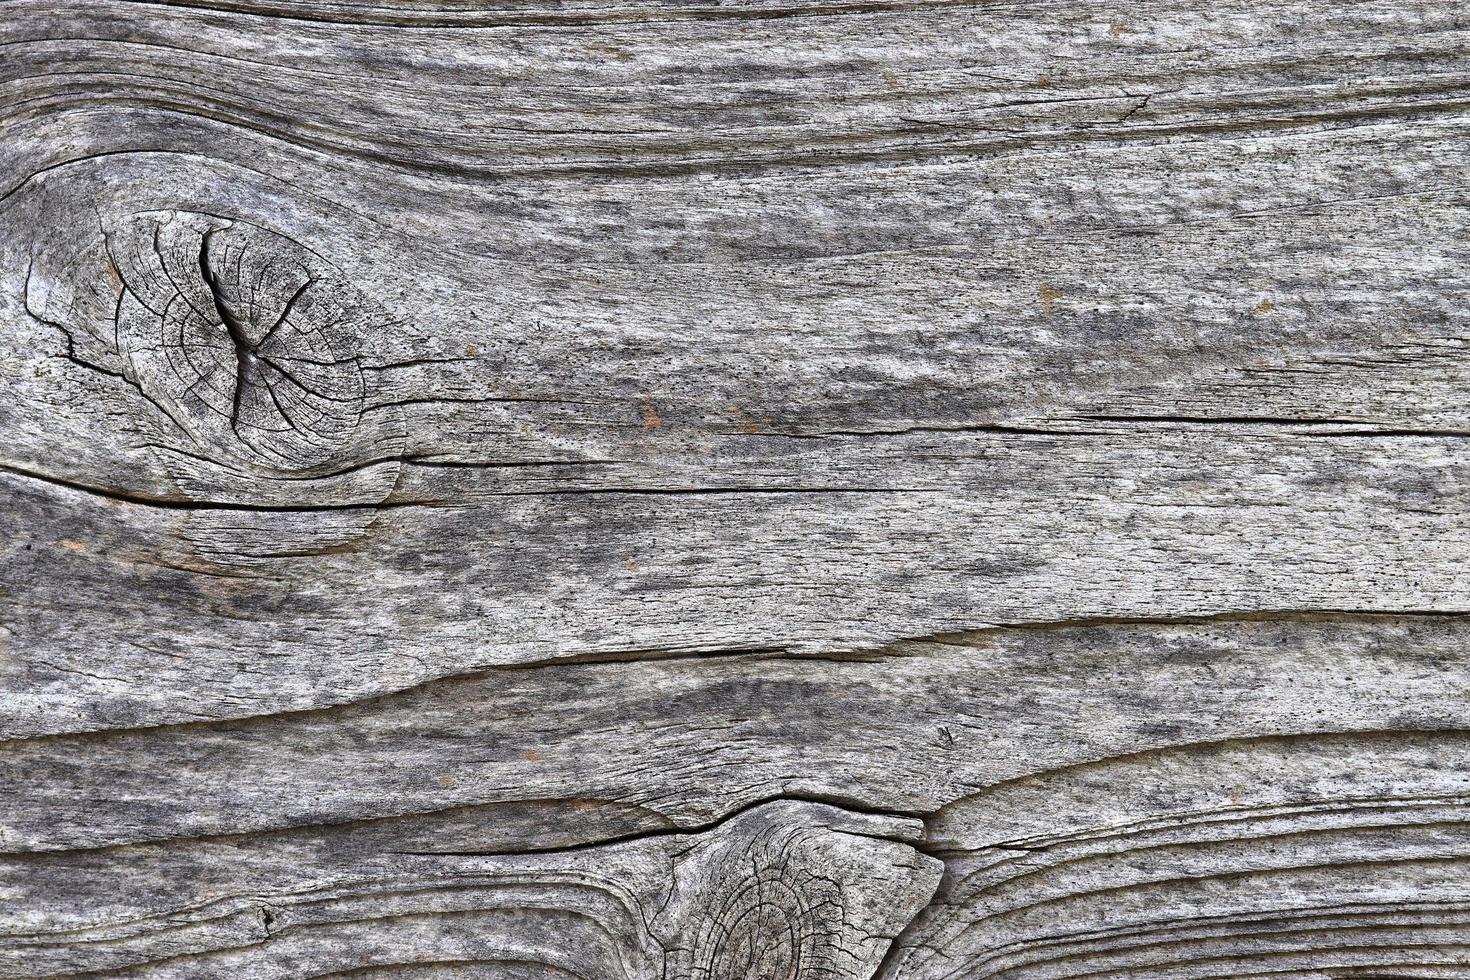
(680, 490)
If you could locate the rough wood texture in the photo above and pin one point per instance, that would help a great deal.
(767, 489)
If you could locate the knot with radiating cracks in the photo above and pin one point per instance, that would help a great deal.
(249, 341)
(248, 350)
(257, 358)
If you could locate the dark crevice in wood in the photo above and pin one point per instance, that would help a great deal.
(15, 188)
(898, 648)
(286, 312)
(434, 462)
(996, 428)
(1310, 425)
(473, 400)
(550, 18)
(176, 503)
(245, 355)
(1217, 420)
(716, 491)
(431, 461)
(417, 362)
(368, 823)
(1323, 615)
(547, 971)
(827, 799)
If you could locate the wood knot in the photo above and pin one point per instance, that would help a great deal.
(793, 891)
(248, 364)
(772, 919)
(246, 339)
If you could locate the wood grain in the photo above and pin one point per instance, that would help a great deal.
(639, 490)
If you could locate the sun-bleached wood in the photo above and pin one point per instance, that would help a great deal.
(634, 490)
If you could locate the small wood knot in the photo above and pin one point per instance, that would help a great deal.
(792, 890)
(772, 920)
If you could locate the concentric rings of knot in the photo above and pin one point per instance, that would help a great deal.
(777, 920)
(243, 336)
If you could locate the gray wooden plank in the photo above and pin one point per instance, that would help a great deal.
(837, 885)
(476, 477)
(1220, 772)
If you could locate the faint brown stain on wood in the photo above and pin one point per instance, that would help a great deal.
(651, 418)
(1048, 295)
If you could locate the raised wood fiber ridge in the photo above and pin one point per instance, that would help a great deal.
(754, 490)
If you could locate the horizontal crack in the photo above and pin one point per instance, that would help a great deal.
(982, 427)
(873, 653)
(1314, 426)
(839, 802)
(176, 503)
(1324, 615)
